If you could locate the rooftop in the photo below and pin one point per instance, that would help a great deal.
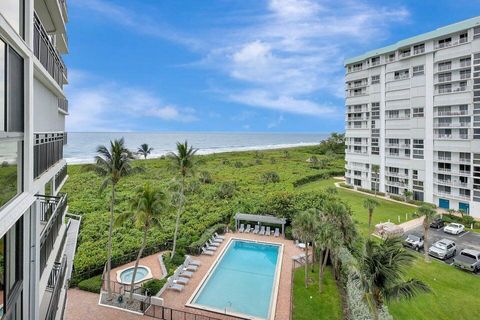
(437, 33)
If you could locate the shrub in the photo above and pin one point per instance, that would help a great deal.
(273, 160)
(258, 161)
(238, 164)
(171, 264)
(151, 287)
(288, 233)
(226, 190)
(270, 177)
(196, 247)
(315, 177)
(93, 284)
(4, 164)
(344, 185)
(205, 177)
(398, 198)
(378, 193)
(225, 162)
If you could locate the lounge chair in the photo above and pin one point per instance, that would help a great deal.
(213, 239)
(181, 280)
(174, 286)
(242, 228)
(207, 252)
(248, 229)
(268, 231)
(211, 248)
(190, 267)
(193, 262)
(277, 232)
(299, 244)
(257, 229)
(299, 257)
(217, 236)
(212, 243)
(262, 231)
(186, 274)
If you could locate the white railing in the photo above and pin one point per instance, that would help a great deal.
(452, 113)
(445, 67)
(418, 51)
(450, 43)
(401, 76)
(451, 124)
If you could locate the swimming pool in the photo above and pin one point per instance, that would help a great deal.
(243, 281)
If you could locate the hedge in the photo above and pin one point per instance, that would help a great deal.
(315, 177)
(93, 284)
(151, 287)
(196, 247)
(344, 185)
(378, 193)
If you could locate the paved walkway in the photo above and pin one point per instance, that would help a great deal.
(71, 244)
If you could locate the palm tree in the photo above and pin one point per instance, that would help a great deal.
(328, 240)
(144, 150)
(113, 165)
(183, 162)
(304, 228)
(370, 204)
(147, 208)
(382, 268)
(428, 214)
(407, 194)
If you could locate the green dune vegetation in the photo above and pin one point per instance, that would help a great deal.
(281, 182)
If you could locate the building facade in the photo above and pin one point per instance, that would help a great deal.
(413, 118)
(33, 108)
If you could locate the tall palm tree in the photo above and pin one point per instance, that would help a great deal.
(328, 240)
(113, 164)
(370, 204)
(428, 214)
(147, 209)
(144, 150)
(304, 228)
(382, 268)
(183, 162)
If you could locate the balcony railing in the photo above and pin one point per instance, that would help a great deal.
(60, 176)
(452, 113)
(55, 281)
(46, 53)
(63, 104)
(452, 137)
(53, 214)
(451, 124)
(445, 67)
(47, 150)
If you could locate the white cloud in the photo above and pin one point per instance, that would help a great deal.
(99, 105)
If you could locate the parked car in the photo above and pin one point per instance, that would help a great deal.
(437, 223)
(468, 259)
(454, 228)
(443, 249)
(414, 242)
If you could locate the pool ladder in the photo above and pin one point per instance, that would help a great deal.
(230, 305)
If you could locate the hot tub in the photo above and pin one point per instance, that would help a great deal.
(125, 276)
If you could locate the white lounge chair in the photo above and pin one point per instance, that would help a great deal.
(193, 262)
(210, 247)
(257, 229)
(262, 231)
(268, 231)
(213, 244)
(299, 257)
(181, 280)
(174, 286)
(186, 274)
(207, 252)
(217, 236)
(248, 229)
(242, 228)
(301, 245)
(277, 232)
(213, 239)
(190, 267)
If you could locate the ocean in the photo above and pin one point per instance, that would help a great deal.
(81, 146)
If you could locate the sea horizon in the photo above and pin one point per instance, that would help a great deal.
(81, 146)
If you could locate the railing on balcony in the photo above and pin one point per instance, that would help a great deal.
(60, 176)
(55, 281)
(47, 150)
(46, 53)
(63, 104)
(53, 215)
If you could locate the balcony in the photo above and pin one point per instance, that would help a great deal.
(445, 67)
(47, 151)
(63, 104)
(452, 90)
(60, 176)
(401, 76)
(451, 125)
(396, 174)
(397, 184)
(452, 195)
(450, 44)
(55, 286)
(451, 113)
(52, 213)
(46, 53)
(452, 136)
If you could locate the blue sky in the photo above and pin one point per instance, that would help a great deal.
(228, 65)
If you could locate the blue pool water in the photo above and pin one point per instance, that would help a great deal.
(242, 280)
(126, 276)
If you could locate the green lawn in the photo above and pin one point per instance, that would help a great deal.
(309, 304)
(455, 294)
(385, 211)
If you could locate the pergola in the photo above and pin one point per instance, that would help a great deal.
(266, 219)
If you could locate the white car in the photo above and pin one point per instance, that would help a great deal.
(454, 228)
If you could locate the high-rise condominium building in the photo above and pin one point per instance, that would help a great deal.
(33, 264)
(413, 118)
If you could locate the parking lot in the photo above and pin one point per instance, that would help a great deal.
(467, 239)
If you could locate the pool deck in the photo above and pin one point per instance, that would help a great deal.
(178, 300)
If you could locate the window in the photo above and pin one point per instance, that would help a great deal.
(13, 12)
(417, 113)
(444, 77)
(445, 88)
(442, 66)
(402, 74)
(476, 32)
(418, 70)
(463, 37)
(465, 62)
(464, 74)
(405, 53)
(447, 42)
(393, 114)
(391, 57)
(419, 48)
(375, 61)
(375, 79)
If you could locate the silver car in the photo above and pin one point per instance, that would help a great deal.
(443, 249)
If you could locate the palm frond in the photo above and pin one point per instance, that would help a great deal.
(406, 290)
